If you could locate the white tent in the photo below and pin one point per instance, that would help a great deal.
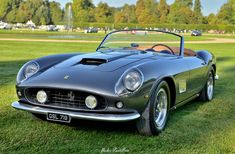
(2, 25)
(30, 24)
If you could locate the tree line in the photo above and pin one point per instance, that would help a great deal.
(43, 12)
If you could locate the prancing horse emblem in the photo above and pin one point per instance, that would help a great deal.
(66, 77)
(71, 96)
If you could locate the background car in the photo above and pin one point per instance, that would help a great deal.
(52, 28)
(196, 33)
(91, 30)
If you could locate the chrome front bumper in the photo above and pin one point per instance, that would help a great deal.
(77, 115)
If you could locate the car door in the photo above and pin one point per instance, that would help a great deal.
(197, 74)
(182, 79)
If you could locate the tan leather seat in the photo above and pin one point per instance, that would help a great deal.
(176, 50)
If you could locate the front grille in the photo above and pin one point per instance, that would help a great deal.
(69, 99)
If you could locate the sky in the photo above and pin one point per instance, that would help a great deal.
(209, 6)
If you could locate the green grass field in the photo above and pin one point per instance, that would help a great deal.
(194, 128)
(26, 34)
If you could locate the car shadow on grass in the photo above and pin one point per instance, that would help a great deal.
(224, 59)
(9, 70)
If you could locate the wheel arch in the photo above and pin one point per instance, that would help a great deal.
(171, 83)
(214, 68)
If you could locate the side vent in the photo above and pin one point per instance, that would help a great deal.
(91, 61)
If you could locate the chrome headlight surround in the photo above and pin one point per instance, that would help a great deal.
(28, 70)
(130, 82)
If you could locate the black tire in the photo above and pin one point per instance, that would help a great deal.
(204, 95)
(146, 124)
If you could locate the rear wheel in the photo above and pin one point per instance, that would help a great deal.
(207, 92)
(154, 118)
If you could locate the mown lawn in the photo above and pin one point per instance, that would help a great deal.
(194, 128)
(61, 35)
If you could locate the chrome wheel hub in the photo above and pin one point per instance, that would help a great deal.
(210, 87)
(161, 109)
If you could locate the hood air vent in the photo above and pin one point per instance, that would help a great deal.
(92, 61)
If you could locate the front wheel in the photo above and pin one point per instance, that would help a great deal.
(154, 118)
(207, 92)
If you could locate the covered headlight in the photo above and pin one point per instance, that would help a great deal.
(132, 80)
(31, 69)
(27, 71)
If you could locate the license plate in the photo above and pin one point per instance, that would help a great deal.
(58, 117)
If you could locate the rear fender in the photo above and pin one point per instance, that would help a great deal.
(205, 55)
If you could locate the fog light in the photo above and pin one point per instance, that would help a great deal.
(91, 102)
(19, 93)
(42, 97)
(119, 105)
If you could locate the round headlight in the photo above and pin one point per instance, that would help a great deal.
(91, 102)
(41, 97)
(31, 69)
(132, 80)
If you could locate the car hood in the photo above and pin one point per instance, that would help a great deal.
(88, 72)
(104, 62)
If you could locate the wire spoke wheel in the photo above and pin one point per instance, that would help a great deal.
(161, 108)
(210, 86)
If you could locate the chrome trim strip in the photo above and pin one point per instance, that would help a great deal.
(77, 115)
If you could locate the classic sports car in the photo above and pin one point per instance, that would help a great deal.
(134, 75)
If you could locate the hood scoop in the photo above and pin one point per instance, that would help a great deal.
(93, 61)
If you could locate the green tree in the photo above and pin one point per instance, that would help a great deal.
(184, 3)
(181, 12)
(163, 10)
(11, 16)
(140, 7)
(198, 17)
(226, 14)
(4, 9)
(36, 10)
(126, 14)
(129, 12)
(83, 10)
(9, 6)
(42, 15)
(103, 13)
(146, 11)
(211, 18)
(233, 12)
(55, 12)
(119, 17)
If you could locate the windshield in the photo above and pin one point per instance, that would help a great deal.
(149, 41)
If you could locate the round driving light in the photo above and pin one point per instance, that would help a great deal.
(19, 93)
(119, 105)
(42, 97)
(91, 102)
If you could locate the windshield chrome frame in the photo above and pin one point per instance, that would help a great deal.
(180, 36)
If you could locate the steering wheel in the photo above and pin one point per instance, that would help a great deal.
(163, 46)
